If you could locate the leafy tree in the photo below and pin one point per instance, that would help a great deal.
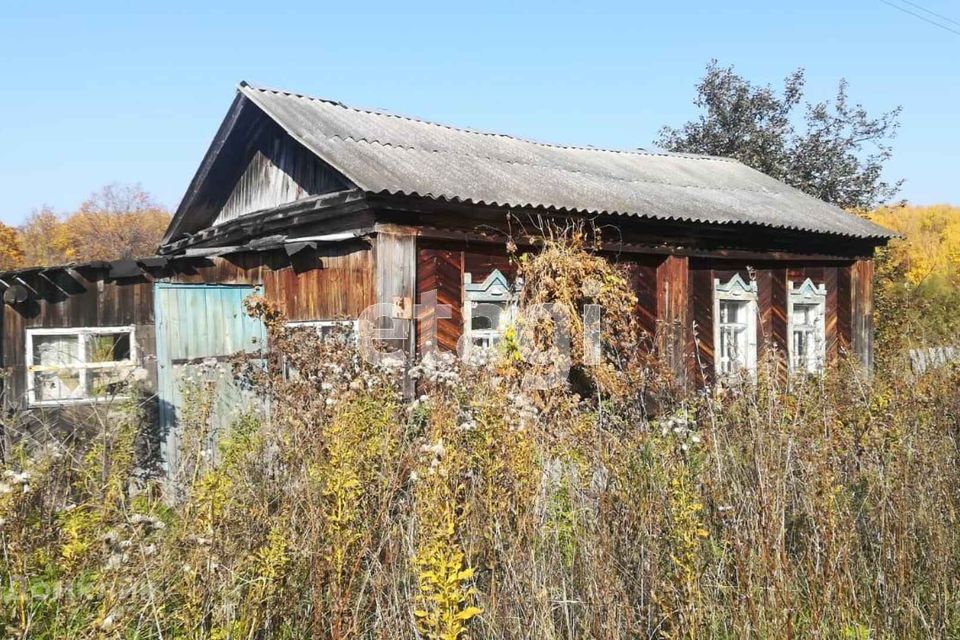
(917, 300)
(928, 255)
(11, 254)
(836, 153)
(42, 238)
(119, 221)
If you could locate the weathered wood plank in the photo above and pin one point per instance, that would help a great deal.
(862, 311)
(672, 309)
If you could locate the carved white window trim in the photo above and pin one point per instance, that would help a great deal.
(816, 296)
(743, 294)
(494, 290)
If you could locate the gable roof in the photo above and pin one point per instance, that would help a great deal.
(383, 153)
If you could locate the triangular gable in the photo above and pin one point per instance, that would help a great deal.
(252, 165)
(736, 286)
(808, 290)
(494, 287)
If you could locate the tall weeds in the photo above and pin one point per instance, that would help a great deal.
(482, 509)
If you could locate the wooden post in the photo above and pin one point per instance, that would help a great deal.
(395, 281)
(855, 310)
(861, 306)
(673, 285)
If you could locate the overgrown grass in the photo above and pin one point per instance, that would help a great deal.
(485, 510)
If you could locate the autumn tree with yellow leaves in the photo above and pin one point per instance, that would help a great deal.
(118, 221)
(918, 278)
(11, 253)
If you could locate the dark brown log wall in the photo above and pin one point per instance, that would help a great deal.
(848, 305)
(675, 300)
(861, 321)
(331, 283)
(442, 265)
(439, 273)
(440, 269)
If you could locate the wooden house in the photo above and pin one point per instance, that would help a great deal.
(327, 209)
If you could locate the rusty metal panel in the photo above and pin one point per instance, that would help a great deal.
(199, 327)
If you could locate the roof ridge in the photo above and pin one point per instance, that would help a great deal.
(553, 145)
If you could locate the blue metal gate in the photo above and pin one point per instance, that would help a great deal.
(198, 327)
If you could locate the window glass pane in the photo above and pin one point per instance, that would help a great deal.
(62, 384)
(106, 382)
(51, 351)
(344, 332)
(801, 344)
(108, 347)
(488, 315)
(807, 339)
(485, 340)
(805, 314)
(732, 312)
(733, 335)
(480, 323)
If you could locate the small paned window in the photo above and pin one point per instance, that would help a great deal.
(329, 329)
(489, 308)
(735, 327)
(343, 332)
(807, 327)
(78, 365)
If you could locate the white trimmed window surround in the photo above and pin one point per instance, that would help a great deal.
(806, 326)
(488, 309)
(78, 365)
(734, 326)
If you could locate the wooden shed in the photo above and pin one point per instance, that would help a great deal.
(327, 209)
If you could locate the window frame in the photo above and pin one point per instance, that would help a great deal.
(320, 324)
(743, 292)
(288, 370)
(497, 290)
(808, 293)
(83, 367)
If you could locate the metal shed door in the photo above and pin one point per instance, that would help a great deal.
(198, 324)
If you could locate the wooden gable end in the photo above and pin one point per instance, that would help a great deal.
(279, 172)
(252, 165)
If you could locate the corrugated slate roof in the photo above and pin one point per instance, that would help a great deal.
(386, 153)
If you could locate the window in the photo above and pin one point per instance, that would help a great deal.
(341, 332)
(78, 365)
(329, 329)
(489, 308)
(735, 326)
(807, 331)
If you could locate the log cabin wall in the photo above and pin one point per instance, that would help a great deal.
(331, 282)
(675, 296)
(675, 300)
(395, 272)
(847, 313)
(441, 267)
(671, 320)
(861, 311)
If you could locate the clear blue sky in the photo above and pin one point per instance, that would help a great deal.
(96, 92)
